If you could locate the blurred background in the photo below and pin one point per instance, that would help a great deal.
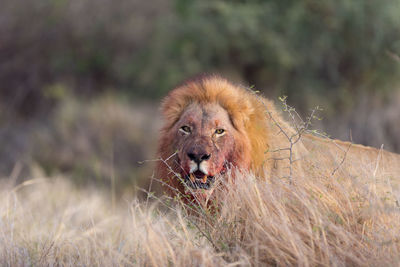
(81, 80)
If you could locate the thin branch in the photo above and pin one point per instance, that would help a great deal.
(343, 159)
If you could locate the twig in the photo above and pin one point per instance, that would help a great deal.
(343, 159)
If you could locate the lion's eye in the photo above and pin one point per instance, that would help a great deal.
(219, 131)
(185, 129)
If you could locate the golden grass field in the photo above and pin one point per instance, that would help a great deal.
(312, 222)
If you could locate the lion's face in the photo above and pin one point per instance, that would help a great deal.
(205, 141)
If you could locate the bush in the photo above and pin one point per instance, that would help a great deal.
(86, 45)
(304, 49)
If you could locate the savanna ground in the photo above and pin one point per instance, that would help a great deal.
(50, 215)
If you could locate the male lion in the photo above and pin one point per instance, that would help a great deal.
(212, 125)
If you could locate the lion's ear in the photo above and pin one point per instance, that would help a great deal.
(172, 107)
(240, 113)
(170, 112)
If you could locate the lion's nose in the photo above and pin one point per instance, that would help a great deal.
(198, 157)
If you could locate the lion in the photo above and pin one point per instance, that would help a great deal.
(212, 125)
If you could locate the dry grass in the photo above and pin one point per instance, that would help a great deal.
(310, 222)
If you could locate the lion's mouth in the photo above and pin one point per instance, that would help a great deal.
(199, 180)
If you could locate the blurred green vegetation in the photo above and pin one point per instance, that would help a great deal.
(311, 50)
(302, 49)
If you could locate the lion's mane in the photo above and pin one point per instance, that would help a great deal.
(248, 112)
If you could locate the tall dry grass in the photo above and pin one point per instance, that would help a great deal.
(312, 222)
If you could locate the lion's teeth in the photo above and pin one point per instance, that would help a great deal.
(204, 180)
(192, 177)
